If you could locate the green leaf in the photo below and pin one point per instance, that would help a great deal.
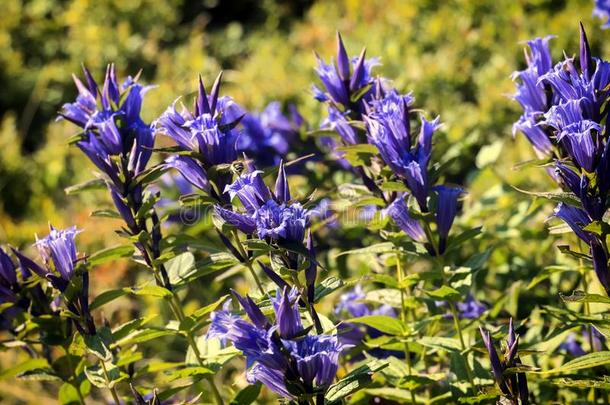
(445, 293)
(385, 324)
(248, 395)
(190, 322)
(328, 286)
(180, 266)
(546, 273)
(99, 344)
(107, 213)
(354, 381)
(151, 290)
(581, 296)
(442, 343)
(378, 248)
(583, 383)
(108, 254)
(392, 394)
(23, 367)
(106, 297)
(394, 186)
(94, 184)
(191, 371)
(359, 154)
(559, 196)
(361, 92)
(589, 360)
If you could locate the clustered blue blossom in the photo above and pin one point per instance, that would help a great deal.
(270, 215)
(563, 117)
(281, 353)
(267, 136)
(114, 137)
(59, 256)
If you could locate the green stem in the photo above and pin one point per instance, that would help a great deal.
(403, 318)
(248, 263)
(179, 313)
(115, 396)
(457, 325)
(75, 383)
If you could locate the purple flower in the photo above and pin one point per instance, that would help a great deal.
(346, 78)
(58, 251)
(280, 354)
(209, 132)
(266, 137)
(281, 221)
(446, 211)
(576, 219)
(112, 126)
(471, 308)
(270, 215)
(513, 386)
(251, 191)
(388, 129)
(601, 10)
(338, 122)
(399, 212)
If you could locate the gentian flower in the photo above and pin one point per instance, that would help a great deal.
(58, 251)
(266, 137)
(270, 215)
(513, 386)
(59, 255)
(345, 79)
(399, 212)
(388, 129)
(471, 308)
(446, 211)
(280, 354)
(112, 127)
(601, 10)
(208, 132)
(9, 291)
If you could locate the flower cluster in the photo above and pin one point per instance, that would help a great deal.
(270, 215)
(564, 118)
(389, 130)
(207, 134)
(59, 256)
(267, 136)
(114, 137)
(513, 386)
(281, 354)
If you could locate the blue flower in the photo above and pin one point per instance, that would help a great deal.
(209, 132)
(446, 211)
(58, 251)
(399, 212)
(471, 308)
(388, 130)
(281, 221)
(601, 10)
(346, 78)
(251, 191)
(576, 219)
(112, 127)
(280, 354)
(529, 127)
(530, 92)
(513, 386)
(338, 122)
(266, 137)
(270, 215)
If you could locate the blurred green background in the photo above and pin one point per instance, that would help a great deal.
(457, 57)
